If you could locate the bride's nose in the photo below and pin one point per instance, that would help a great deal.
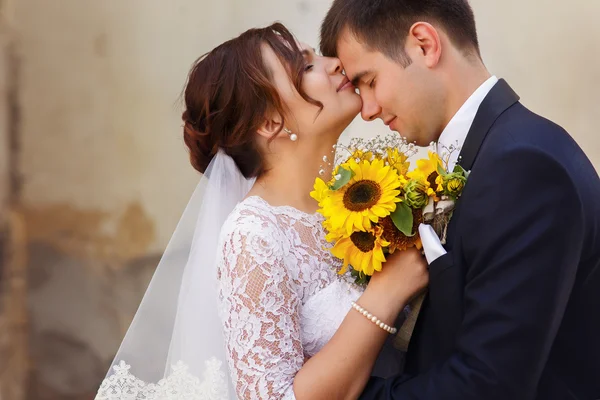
(335, 66)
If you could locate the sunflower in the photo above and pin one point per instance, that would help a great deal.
(332, 235)
(398, 161)
(398, 240)
(362, 250)
(427, 172)
(451, 184)
(360, 155)
(321, 191)
(371, 193)
(357, 156)
(427, 166)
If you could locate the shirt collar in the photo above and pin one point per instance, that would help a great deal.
(453, 136)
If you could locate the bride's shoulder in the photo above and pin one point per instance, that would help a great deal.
(251, 216)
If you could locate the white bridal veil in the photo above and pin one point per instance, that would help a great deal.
(174, 348)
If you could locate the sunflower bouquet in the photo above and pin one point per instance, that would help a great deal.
(374, 203)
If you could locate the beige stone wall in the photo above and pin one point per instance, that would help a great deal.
(14, 356)
(105, 172)
(104, 168)
(14, 315)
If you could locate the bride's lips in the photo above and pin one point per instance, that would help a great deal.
(345, 84)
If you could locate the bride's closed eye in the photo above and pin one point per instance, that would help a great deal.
(308, 67)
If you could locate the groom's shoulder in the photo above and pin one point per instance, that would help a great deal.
(524, 126)
(524, 137)
(520, 129)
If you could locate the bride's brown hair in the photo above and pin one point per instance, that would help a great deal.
(230, 91)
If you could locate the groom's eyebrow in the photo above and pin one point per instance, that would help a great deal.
(359, 76)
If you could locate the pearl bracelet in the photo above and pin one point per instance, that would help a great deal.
(374, 319)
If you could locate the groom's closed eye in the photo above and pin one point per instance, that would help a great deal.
(357, 78)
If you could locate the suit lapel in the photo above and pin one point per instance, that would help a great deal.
(498, 100)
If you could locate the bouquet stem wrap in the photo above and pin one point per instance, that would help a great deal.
(406, 330)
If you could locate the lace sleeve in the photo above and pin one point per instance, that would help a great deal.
(260, 310)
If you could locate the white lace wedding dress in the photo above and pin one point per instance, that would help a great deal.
(280, 301)
(281, 298)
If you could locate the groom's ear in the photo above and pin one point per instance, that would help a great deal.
(425, 43)
(271, 125)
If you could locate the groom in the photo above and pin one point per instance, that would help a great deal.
(513, 310)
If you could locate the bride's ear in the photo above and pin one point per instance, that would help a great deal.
(270, 126)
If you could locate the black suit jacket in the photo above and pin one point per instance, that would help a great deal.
(513, 310)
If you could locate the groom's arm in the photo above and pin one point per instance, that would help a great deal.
(524, 237)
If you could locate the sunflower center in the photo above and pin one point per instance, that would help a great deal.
(364, 241)
(362, 195)
(431, 179)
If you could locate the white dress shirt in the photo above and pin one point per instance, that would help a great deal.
(453, 137)
(448, 148)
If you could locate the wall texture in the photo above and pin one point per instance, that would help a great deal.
(105, 173)
(14, 357)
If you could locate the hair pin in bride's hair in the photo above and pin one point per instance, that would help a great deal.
(293, 136)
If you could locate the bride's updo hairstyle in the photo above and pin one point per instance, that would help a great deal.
(230, 91)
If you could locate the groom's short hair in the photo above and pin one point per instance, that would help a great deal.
(383, 25)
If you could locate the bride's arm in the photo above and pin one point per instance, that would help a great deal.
(260, 309)
(343, 366)
(260, 302)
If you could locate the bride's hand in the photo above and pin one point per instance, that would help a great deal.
(404, 275)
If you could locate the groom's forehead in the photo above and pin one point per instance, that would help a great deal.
(349, 40)
(354, 57)
(348, 45)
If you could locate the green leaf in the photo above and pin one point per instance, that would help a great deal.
(458, 169)
(359, 277)
(441, 170)
(345, 176)
(403, 219)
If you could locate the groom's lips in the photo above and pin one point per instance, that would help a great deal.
(389, 123)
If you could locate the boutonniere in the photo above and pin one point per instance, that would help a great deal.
(449, 188)
(449, 185)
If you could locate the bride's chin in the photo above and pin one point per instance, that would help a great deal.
(355, 109)
(350, 110)
(350, 115)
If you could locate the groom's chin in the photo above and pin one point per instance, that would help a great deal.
(415, 139)
(420, 139)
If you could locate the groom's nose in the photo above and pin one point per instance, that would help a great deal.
(370, 109)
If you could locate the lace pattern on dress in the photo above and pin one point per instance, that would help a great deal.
(180, 384)
(274, 260)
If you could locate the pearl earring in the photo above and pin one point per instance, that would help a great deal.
(293, 136)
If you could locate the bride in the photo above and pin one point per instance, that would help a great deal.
(259, 311)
